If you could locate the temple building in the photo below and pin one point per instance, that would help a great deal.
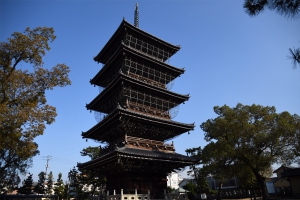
(134, 110)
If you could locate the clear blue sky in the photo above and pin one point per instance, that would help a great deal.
(229, 58)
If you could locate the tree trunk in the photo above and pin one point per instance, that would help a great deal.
(253, 193)
(219, 190)
(261, 183)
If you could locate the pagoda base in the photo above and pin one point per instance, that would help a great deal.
(132, 182)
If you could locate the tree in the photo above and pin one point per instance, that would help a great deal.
(27, 186)
(191, 188)
(74, 188)
(67, 190)
(219, 161)
(255, 136)
(40, 187)
(24, 111)
(59, 187)
(247, 179)
(90, 177)
(290, 9)
(170, 189)
(196, 172)
(92, 152)
(202, 181)
(50, 184)
(11, 180)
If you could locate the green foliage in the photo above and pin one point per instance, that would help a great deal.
(74, 189)
(59, 187)
(254, 136)
(247, 179)
(27, 186)
(290, 9)
(169, 189)
(40, 187)
(11, 180)
(202, 181)
(66, 190)
(218, 159)
(91, 177)
(285, 8)
(294, 55)
(191, 188)
(50, 184)
(92, 152)
(199, 174)
(24, 110)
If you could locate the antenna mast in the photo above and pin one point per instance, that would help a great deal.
(136, 16)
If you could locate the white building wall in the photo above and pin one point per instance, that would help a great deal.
(173, 180)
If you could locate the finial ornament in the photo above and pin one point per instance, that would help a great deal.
(136, 16)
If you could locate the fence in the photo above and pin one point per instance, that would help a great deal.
(28, 197)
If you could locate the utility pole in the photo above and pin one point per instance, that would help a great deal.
(47, 166)
(48, 158)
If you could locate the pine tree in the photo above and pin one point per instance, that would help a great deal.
(50, 184)
(59, 187)
(289, 9)
(74, 183)
(27, 185)
(40, 187)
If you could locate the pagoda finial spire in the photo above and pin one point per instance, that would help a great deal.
(136, 16)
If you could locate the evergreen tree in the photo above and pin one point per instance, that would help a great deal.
(289, 9)
(40, 187)
(254, 136)
(50, 184)
(191, 188)
(27, 185)
(59, 187)
(91, 177)
(66, 194)
(74, 188)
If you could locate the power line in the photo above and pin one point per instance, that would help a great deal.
(56, 159)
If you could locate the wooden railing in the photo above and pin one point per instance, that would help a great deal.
(136, 196)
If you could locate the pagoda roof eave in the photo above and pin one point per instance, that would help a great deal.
(140, 154)
(122, 77)
(123, 27)
(123, 49)
(119, 112)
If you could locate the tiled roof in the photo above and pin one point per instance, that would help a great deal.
(150, 119)
(123, 77)
(284, 168)
(122, 28)
(141, 154)
(148, 154)
(125, 49)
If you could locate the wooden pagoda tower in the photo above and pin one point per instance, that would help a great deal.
(136, 106)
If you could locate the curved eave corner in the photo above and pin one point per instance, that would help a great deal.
(121, 27)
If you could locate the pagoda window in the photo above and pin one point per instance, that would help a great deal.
(111, 74)
(148, 103)
(147, 73)
(107, 106)
(146, 47)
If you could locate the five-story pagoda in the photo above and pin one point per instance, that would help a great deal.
(136, 108)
